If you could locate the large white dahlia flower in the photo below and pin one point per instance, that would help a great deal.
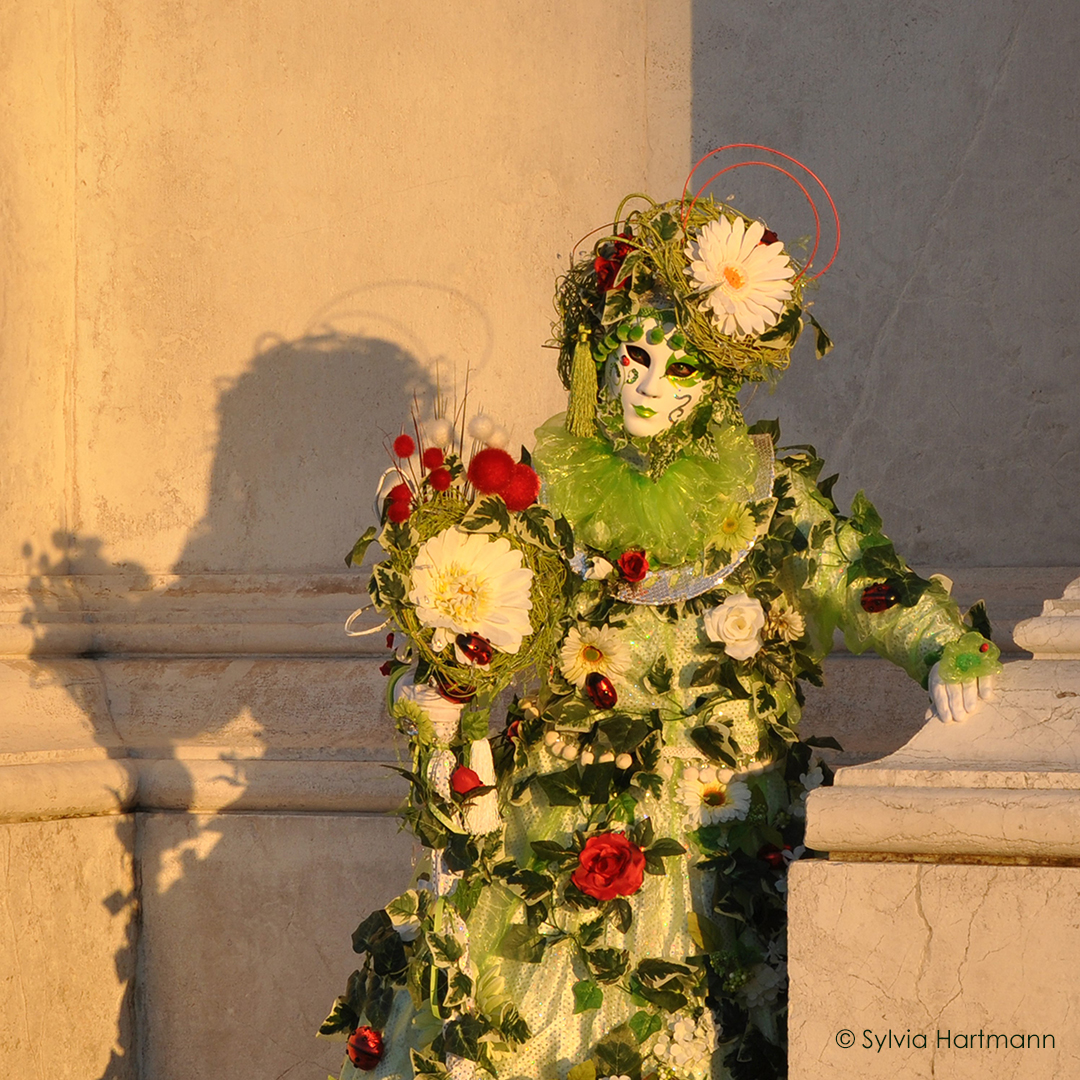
(469, 583)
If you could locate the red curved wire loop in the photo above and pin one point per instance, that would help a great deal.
(794, 179)
(770, 165)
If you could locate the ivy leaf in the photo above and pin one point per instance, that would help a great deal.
(607, 964)
(707, 674)
(978, 619)
(863, 515)
(446, 950)
(617, 1054)
(359, 549)
(522, 943)
(643, 1024)
(561, 788)
(659, 677)
(715, 744)
(596, 782)
(622, 914)
(589, 931)
(587, 996)
(371, 930)
(549, 851)
(822, 342)
(824, 742)
(474, 725)
(390, 584)
(462, 1037)
(341, 1018)
(666, 848)
(488, 514)
(788, 326)
(585, 1071)
(766, 427)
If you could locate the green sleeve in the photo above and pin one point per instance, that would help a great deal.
(911, 637)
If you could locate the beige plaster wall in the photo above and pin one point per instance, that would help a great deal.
(68, 931)
(282, 894)
(256, 228)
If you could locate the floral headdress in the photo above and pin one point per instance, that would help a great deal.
(726, 281)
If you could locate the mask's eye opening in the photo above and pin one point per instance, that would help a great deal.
(638, 355)
(680, 369)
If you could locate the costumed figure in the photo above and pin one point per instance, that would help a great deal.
(605, 895)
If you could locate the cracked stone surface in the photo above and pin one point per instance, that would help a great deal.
(944, 951)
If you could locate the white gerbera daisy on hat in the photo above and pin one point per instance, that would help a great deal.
(593, 648)
(746, 282)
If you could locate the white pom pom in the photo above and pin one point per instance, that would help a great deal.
(439, 432)
(569, 752)
(605, 757)
(480, 427)
(587, 757)
(690, 773)
(623, 761)
(498, 438)
(551, 737)
(707, 775)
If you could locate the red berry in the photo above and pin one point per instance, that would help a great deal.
(440, 479)
(398, 512)
(984, 647)
(433, 457)
(522, 489)
(404, 446)
(490, 470)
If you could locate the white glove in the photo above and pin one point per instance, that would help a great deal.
(953, 703)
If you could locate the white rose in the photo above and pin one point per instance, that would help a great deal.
(737, 623)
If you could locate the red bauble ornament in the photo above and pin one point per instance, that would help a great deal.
(478, 649)
(365, 1048)
(404, 446)
(440, 479)
(490, 470)
(522, 489)
(878, 598)
(600, 690)
(433, 457)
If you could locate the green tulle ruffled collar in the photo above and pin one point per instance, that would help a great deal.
(694, 505)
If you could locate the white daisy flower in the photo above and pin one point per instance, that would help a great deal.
(713, 795)
(745, 282)
(588, 649)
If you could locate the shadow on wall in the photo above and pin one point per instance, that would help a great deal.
(287, 491)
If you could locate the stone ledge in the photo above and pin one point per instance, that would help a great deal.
(304, 614)
(945, 821)
(45, 791)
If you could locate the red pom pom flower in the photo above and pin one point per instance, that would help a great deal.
(404, 447)
(522, 489)
(490, 470)
(440, 479)
(398, 511)
(633, 565)
(365, 1048)
(608, 866)
(433, 458)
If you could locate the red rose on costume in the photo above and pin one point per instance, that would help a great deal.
(465, 780)
(609, 865)
(633, 565)
(404, 446)
(365, 1048)
(433, 457)
(607, 268)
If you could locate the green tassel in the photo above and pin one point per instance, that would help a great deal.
(581, 411)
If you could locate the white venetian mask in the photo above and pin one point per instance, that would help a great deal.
(658, 383)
